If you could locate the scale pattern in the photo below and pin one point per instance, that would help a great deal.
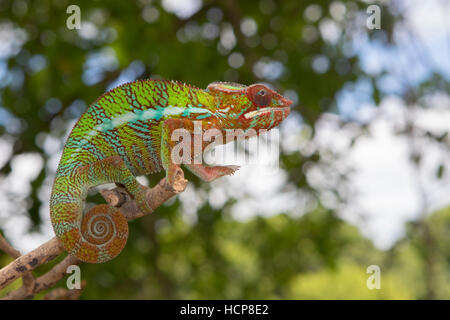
(124, 134)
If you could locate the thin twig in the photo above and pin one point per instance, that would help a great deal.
(7, 248)
(65, 294)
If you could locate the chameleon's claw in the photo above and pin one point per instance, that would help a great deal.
(231, 169)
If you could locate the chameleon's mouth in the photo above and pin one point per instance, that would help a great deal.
(284, 111)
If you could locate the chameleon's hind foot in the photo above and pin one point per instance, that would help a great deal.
(142, 200)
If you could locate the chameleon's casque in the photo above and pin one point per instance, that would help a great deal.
(126, 133)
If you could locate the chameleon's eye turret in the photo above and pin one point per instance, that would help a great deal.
(266, 110)
(260, 95)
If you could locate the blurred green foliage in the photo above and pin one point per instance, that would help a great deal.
(56, 72)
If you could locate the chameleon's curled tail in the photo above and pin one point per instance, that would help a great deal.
(105, 232)
(98, 236)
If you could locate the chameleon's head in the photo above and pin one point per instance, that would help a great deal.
(244, 107)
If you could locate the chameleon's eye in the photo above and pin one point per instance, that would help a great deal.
(262, 97)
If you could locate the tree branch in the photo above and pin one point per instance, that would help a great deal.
(24, 264)
(7, 248)
(64, 294)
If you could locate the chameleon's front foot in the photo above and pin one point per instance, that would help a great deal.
(211, 173)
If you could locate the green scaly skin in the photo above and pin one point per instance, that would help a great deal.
(126, 133)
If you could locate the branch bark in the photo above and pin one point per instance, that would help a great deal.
(23, 265)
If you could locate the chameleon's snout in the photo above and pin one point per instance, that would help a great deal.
(286, 102)
(285, 112)
(285, 107)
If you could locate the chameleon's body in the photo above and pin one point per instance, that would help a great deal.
(127, 133)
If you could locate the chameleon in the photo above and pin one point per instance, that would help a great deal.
(126, 133)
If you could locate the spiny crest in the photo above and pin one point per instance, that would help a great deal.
(226, 87)
(173, 82)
